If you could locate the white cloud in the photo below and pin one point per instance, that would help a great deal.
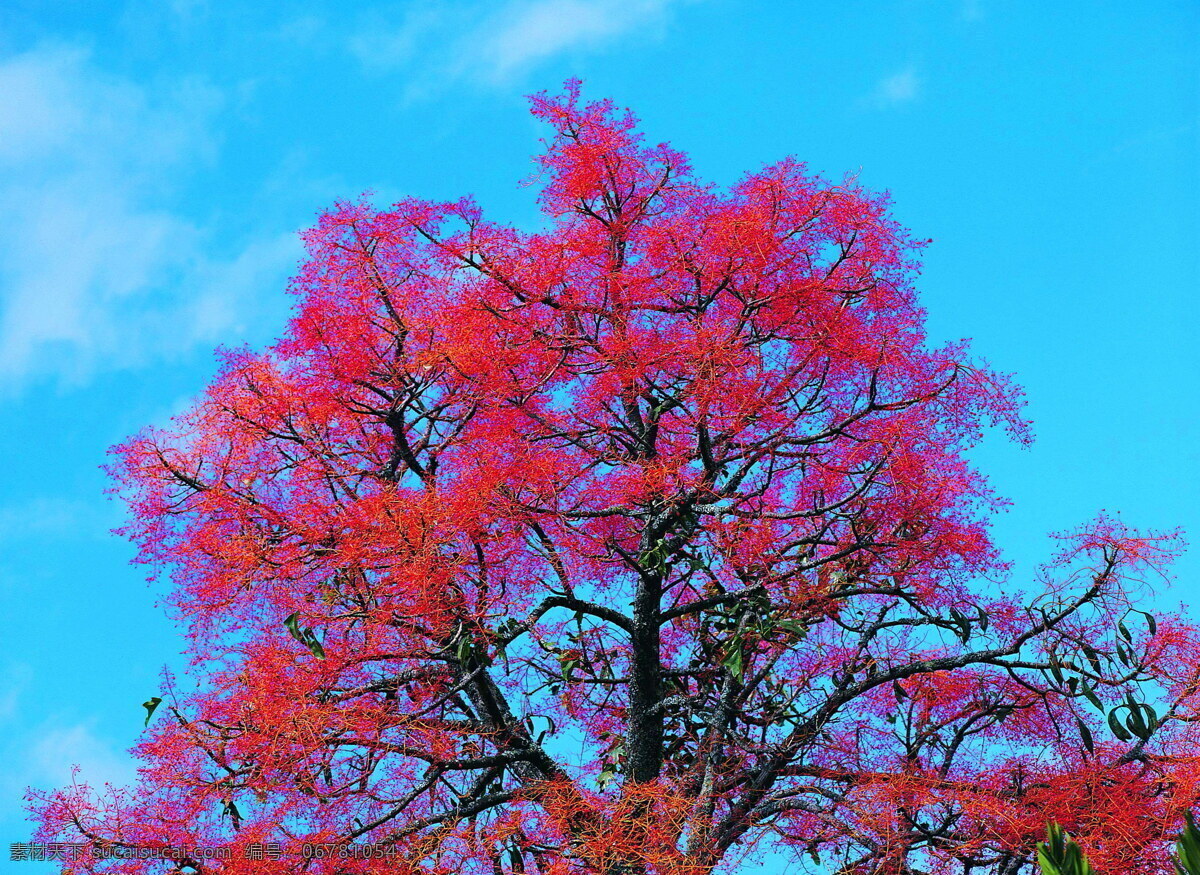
(99, 268)
(532, 32)
(381, 45)
(56, 756)
(901, 87)
(57, 752)
(972, 10)
(51, 516)
(43, 754)
(493, 43)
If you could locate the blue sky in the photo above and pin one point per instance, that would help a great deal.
(157, 158)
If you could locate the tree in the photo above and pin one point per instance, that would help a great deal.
(634, 545)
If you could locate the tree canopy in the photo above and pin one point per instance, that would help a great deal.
(636, 544)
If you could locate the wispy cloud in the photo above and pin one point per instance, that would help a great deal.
(903, 86)
(55, 756)
(57, 752)
(50, 516)
(494, 43)
(532, 32)
(98, 269)
(43, 752)
(972, 10)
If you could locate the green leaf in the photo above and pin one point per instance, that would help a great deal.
(567, 665)
(1050, 852)
(964, 625)
(1187, 849)
(1117, 729)
(1124, 654)
(794, 626)
(899, 691)
(230, 808)
(1124, 630)
(1046, 864)
(1061, 855)
(1085, 735)
(292, 622)
(304, 636)
(1151, 717)
(1056, 670)
(608, 773)
(1089, 693)
(150, 704)
(1141, 726)
(733, 661)
(462, 650)
(983, 619)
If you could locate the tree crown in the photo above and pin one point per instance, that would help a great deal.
(625, 546)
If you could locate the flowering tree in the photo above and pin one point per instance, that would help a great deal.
(630, 546)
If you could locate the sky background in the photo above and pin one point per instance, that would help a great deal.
(157, 159)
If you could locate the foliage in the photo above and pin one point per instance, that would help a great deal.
(1187, 849)
(633, 545)
(1061, 855)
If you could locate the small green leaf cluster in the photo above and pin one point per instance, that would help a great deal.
(1061, 855)
(613, 760)
(304, 635)
(751, 620)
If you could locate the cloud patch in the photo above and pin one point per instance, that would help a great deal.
(901, 87)
(61, 753)
(99, 269)
(44, 754)
(496, 43)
